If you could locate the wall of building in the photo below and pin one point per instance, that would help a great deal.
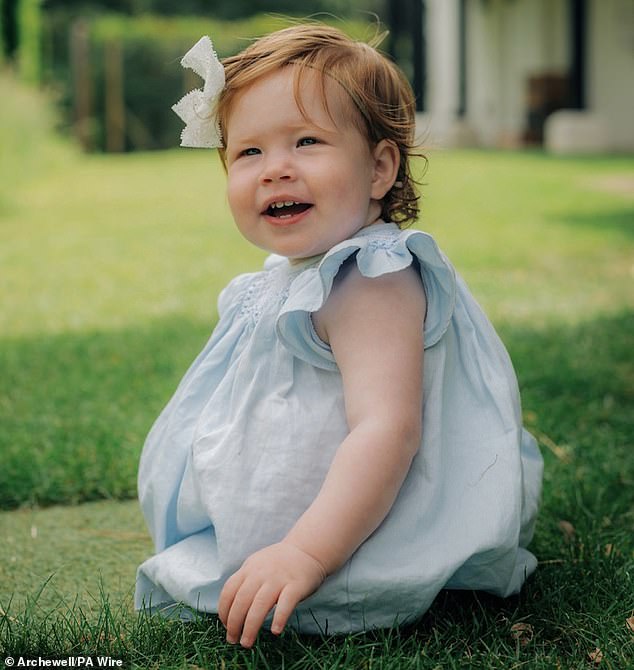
(441, 98)
(508, 43)
(610, 82)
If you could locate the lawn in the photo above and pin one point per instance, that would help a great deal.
(109, 271)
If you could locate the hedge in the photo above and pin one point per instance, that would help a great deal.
(125, 105)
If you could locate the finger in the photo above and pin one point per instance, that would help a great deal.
(286, 602)
(227, 595)
(239, 609)
(262, 604)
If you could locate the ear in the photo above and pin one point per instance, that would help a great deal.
(386, 158)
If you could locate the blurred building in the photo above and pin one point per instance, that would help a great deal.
(530, 72)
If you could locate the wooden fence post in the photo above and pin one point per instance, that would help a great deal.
(82, 83)
(114, 96)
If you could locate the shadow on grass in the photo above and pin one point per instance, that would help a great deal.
(577, 387)
(75, 408)
(620, 221)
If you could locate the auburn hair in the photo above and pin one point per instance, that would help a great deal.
(383, 102)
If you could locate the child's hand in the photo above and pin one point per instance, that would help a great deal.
(281, 575)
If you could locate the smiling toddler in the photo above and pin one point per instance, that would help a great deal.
(349, 441)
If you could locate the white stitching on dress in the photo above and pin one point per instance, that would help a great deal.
(262, 293)
(382, 242)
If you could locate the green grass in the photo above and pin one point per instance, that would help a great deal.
(109, 271)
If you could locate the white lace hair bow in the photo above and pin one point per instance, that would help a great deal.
(198, 108)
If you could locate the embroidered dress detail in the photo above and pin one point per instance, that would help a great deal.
(244, 445)
(269, 287)
(381, 243)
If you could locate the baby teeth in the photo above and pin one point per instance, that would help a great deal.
(286, 203)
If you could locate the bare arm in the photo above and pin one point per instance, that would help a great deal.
(374, 327)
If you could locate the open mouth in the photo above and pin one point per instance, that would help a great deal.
(286, 209)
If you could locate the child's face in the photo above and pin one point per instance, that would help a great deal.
(275, 155)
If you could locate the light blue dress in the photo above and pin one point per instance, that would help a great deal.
(242, 449)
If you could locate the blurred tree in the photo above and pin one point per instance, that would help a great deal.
(20, 35)
(226, 9)
(8, 27)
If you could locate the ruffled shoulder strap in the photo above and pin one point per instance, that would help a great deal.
(378, 250)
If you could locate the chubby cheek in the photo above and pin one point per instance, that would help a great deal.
(239, 198)
(243, 209)
(348, 186)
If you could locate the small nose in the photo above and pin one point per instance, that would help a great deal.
(277, 167)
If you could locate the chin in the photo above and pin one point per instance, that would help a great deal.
(295, 253)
